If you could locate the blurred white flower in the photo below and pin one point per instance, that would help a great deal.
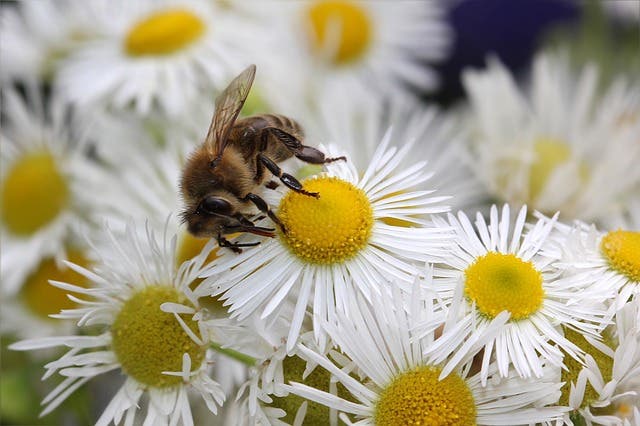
(37, 36)
(628, 219)
(358, 121)
(355, 45)
(559, 145)
(157, 55)
(627, 11)
(47, 182)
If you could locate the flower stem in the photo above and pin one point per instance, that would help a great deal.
(238, 356)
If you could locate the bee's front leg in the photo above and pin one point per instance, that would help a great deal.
(235, 247)
(264, 207)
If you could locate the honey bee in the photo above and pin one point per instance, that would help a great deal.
(221, 177)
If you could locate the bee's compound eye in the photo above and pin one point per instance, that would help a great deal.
(215, 205)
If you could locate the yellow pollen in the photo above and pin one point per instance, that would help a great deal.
(164, 32)
(44, 299)
(622, 250)
(317, 414)
(329, 229)
(147, 341)
(349, 20)
(573, 367)
(34, 192)
(499, 282)
(624, 410)
(417, 397)
(549, 155)
(188, 248)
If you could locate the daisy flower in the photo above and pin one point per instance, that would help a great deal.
(161, 355)
(46, 189)
(263, 400)
(604, 389)
(607, 261)
(497, 268)
(398, 385)
(543, 146)
(27, 313)
(358, 44)
(363, 229)
(38, 36)
(156, 54)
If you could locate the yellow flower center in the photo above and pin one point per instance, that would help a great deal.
(44, 299)
(147, 341)
(164, 32)
(573, 367)
(317, 414)
(549, 155)
(34, 193)
(499, 282)
(188, 248)
(329, 229)
(341, 29)
(622, 250)
(417, 397)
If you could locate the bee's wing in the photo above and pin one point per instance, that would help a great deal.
(228, 106)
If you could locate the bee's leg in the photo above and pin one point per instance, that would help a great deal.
(245, 221)
(303, 152)
(272, 184)
(288, 180)
(264, 141)
(246, 225)
(235, 247)
(256, 230)
(242, 220)
(264, 207)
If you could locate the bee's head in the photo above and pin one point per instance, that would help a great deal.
(209, 216)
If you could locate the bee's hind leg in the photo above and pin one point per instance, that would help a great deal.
(303, 152)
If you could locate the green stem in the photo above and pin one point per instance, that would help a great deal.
(238, 356)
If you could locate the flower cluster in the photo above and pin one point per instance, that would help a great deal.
(373, 259)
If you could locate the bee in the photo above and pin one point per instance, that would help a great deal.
(221, 177)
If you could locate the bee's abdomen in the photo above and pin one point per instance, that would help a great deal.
(285, 123)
